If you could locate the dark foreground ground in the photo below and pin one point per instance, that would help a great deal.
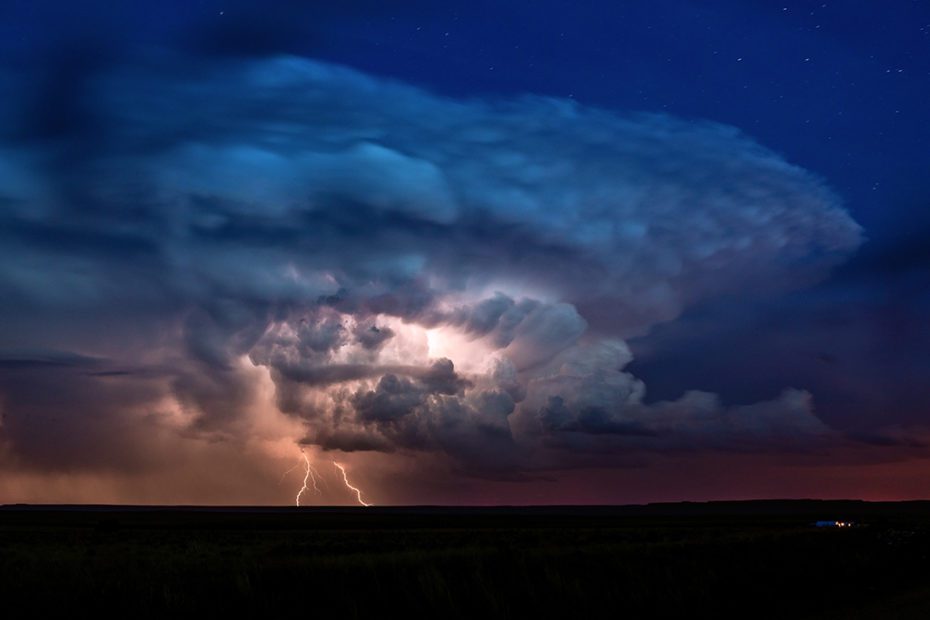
(740, 559)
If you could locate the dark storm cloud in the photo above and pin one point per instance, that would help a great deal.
(26, 358)
(371, 336)
(858, 342)
(225, 218)
(593, 420)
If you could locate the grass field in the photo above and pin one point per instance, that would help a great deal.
(749, 559)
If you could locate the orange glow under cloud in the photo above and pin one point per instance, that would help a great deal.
(222, 475)
(249, 471)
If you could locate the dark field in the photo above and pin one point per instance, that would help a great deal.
(746, 559)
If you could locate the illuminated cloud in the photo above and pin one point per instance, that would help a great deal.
(290, 250)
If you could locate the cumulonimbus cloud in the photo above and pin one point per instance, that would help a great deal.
(412, 272)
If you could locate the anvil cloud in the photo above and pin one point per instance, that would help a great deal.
(250, 255)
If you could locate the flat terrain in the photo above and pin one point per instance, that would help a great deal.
(746, 559)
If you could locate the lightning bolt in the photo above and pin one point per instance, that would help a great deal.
(310, 474)
(345, 479)
(284, 475)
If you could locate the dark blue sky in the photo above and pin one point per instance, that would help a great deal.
(839, 89)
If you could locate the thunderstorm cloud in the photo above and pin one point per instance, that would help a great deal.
(291, 251)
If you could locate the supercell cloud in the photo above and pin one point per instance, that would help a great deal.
(209, 266)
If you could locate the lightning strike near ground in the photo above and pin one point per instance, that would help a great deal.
(309, 474)
(345, 479)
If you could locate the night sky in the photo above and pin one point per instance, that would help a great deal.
(471, 252)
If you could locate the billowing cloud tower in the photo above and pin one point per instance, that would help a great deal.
(252, 255)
